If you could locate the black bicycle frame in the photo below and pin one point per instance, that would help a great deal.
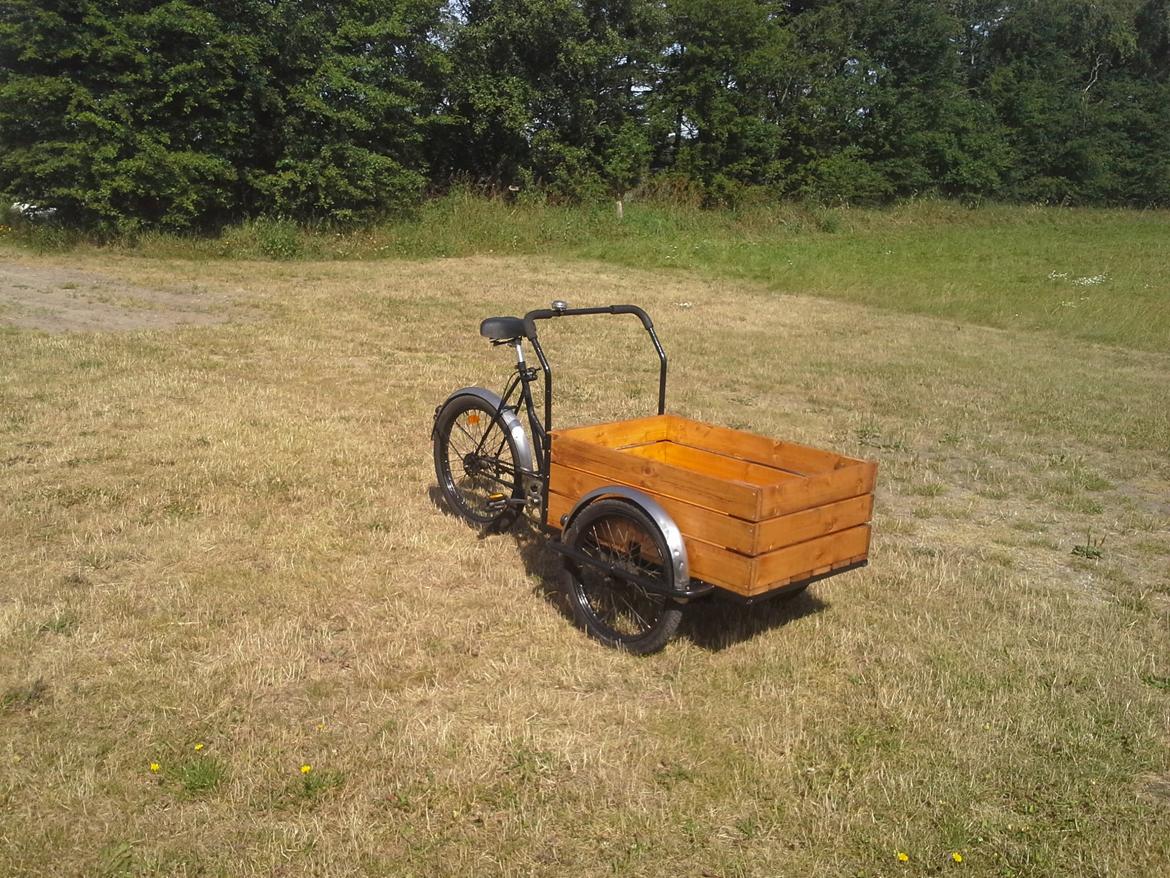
(550, 313)
(525, 375)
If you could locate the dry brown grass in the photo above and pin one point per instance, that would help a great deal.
(223, 535)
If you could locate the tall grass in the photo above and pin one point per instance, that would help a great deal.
(1090, 274)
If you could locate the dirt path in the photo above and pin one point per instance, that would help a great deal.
(69, 300)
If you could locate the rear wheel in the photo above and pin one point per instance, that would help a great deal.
(614, 609)
(477, 463)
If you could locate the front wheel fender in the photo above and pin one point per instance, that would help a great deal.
(511, 421)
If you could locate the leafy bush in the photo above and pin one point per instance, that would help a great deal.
(268, 238)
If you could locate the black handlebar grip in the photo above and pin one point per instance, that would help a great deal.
(647, 324)
(530, 321)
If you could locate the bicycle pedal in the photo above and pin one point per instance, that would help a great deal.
(497, 502)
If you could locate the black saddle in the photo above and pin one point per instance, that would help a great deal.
(502, 328)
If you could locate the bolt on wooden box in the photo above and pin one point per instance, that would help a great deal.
(756, 514)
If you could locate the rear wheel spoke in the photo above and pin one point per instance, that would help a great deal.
(620, 609)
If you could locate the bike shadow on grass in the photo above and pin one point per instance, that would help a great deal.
(712, 623)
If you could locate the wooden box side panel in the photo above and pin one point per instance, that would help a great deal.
(725, 531)
(728, 566)
(810, 558)
(656, 477)
(558, 506)
(711, 526)
(808, 524)
(839, 484)
(749, 576)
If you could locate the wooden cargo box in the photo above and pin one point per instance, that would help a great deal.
(756, 514)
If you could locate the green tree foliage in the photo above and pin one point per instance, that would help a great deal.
(349, 110)
(927, 133)
(719, 109)
(184, 115)
(551, 92)
(1084, 107)
(187, 115)
(124, 118)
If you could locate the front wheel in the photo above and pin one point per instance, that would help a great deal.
(611, 608)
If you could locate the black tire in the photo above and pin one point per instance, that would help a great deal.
(466, 477)
(615, 611)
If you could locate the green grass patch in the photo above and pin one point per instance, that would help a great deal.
(24, 696)
(1093, 274)
(200, 774)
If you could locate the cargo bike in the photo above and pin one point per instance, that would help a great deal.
(649, 514)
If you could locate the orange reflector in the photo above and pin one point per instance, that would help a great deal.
(472, 418)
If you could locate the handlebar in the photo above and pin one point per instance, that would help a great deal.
(548, 313)
(552, 313)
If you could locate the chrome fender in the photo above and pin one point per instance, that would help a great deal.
(515, 428)
(670, 531)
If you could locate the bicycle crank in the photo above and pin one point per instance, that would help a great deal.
(498, 501)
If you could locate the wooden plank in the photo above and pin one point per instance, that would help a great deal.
(808, 524)
(558, 505)
(800, 459)
(734, 498)
(720, 466)
(800, 560)
(727, 531)
(616, 434)
(721, 567)
(716, 528)
(818, 490)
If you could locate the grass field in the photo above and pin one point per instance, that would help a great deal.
(1089, 274)
(222, 559)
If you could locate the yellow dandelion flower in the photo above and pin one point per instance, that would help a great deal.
(154, 766)
(198, 746)
(306, 768)
(956, 856)
(903, 857)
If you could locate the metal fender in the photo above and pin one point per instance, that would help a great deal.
(507, 415)
(670, 531)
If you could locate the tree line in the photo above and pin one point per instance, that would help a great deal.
(127, 114)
